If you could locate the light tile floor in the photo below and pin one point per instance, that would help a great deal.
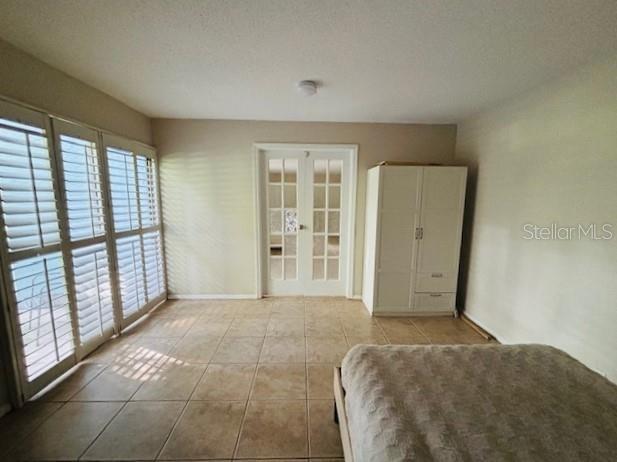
(204, 380)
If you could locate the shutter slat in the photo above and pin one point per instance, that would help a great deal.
(148, 195)
(153, 261)
(83, 188)
(92, 291)
(131, 274)
(123, 185)
(44, 318)
(26, 188)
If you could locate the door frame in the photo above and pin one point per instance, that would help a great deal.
(260, 234)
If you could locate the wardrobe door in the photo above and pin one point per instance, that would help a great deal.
(443, 195)
(399, 216)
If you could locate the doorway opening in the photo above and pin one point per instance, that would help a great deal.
(305, 213)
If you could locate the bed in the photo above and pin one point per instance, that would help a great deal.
(472, 403)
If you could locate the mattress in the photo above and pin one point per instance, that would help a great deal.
(476, 403)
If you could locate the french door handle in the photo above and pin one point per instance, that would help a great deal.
(301, 227)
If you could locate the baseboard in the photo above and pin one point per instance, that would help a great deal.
(355, 297)
(480, 330)
(413, 314)
(212, 296)
(493, 335)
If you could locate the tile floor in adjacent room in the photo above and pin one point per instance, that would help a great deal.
(204, 380)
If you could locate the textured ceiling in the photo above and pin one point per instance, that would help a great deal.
(378, 61)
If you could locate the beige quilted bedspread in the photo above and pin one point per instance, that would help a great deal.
(477, 403)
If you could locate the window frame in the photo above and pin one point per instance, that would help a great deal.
(63, 127)
(12, 349)
(24, 387)
(137, 149)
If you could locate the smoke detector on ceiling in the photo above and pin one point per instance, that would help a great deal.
(307, 87)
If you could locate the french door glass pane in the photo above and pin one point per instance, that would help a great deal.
(274, 195)
(326, 218)
(335, 168)
(276, 268)
(320, 171)
(333, 264)
(318, 268)
(290, 245)
(282, 199)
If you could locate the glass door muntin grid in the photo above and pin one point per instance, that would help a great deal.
(326, 218)
(283, 217)
(335, 209)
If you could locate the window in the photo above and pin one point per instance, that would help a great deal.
(87, 256)
(28, 193)
(74, 204)
(32, 260)
(123, 185)
(134, 197)
(93, 292)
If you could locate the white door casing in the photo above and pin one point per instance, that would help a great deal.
(305, 214)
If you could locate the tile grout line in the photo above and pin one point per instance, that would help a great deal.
(186, 404)
(103, 429)
(234, 314)
(419, 329)
(383, 331)
(306, 380)
(122, 407)
(246, 406)
(14, 447)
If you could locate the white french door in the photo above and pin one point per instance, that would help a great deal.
(306, 212)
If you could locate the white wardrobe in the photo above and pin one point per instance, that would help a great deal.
(414, 217)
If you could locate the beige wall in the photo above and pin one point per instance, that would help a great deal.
(26, 79)
(207, 185)
(550, 156)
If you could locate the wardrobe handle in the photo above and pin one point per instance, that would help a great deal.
(419, 233)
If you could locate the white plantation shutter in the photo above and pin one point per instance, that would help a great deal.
(123, 186)
(137, 231)
(83, 187)
(81, 252)
(27, 189)
(33, 265)
(93, 292)
(87, 255)
(131, 274)
(153, 265)
(148, 194)
(43, 312)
